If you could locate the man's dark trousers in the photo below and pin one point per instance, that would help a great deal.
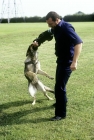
(62, 75)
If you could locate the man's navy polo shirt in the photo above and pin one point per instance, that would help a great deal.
(65, 40)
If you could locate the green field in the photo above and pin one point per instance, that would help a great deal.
(19, 120)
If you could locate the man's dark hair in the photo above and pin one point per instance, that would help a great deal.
(52, 15)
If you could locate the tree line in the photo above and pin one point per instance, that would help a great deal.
(68, 18)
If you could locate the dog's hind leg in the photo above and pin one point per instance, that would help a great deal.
(34, 101)
(49, 89)
(47, 95)
(41, 87)
(32, 91)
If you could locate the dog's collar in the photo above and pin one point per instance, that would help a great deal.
(27, 63)
(31, 62)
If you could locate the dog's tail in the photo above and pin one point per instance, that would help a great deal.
(48, 89)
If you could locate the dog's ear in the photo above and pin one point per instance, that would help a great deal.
(28, 50)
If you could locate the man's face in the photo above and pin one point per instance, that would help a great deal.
(52, 23)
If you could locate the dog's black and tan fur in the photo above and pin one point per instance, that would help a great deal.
(32, 68)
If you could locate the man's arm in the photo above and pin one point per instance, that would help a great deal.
(44, 36)
(77, 51)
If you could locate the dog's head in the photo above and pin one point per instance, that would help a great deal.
(31, 50)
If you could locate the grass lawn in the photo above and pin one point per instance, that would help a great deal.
(19, 120)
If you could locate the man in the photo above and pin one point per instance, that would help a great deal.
(68, 46)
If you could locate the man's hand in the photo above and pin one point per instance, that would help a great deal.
(77, 51)
(73, 66)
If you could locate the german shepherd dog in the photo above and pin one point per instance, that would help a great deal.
(31, 69)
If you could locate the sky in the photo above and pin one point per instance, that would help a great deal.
(42, 7)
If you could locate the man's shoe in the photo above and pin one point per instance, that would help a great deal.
(57, 118)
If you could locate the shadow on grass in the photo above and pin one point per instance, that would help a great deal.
(16, 117)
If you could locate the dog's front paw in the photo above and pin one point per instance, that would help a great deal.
(50, 77)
